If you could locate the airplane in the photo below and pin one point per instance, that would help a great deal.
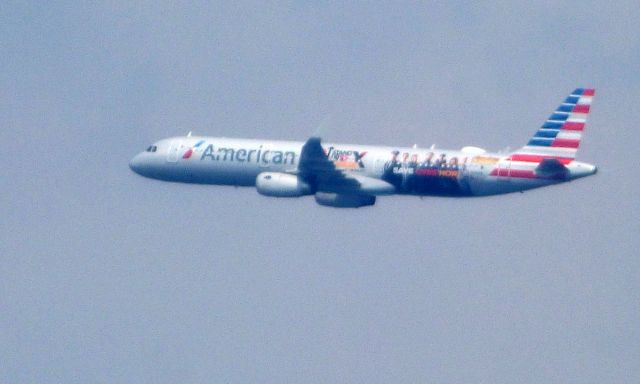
(352, 176)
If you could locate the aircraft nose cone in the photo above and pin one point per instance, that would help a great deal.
(136, 164)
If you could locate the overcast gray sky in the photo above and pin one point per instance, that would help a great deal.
(109, 277)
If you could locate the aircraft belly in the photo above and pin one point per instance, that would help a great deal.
(229, 174)
(489, 185)
(212, 173)
(457, 182)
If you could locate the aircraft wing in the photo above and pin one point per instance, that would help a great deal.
(319, 171)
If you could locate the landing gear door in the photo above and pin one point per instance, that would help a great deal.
(174, 151)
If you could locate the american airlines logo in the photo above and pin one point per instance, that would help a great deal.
(259, 155)
(189, 151)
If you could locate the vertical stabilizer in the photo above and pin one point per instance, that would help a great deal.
(560, 136)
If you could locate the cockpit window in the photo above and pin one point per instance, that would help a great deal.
(152, 148)
(149, 148)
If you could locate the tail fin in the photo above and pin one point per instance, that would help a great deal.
(559, 137)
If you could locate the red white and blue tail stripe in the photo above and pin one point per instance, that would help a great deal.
(559, 137)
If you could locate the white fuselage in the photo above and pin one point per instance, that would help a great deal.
(417, 171)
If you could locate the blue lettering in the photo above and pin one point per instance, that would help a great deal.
(289, 157)
(208, 152)
(227, 152)
(241, 155)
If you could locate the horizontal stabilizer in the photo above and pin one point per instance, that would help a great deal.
(552, 169)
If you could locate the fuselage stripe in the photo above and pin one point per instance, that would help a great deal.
(538, 158)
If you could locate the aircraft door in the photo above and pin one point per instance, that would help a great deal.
(173, 153)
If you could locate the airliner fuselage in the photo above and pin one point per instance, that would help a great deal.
(345, 175)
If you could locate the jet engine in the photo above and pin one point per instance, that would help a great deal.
(277, 184)
(340, 200)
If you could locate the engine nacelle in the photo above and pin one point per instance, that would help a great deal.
(277, 184)
(341, 200)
